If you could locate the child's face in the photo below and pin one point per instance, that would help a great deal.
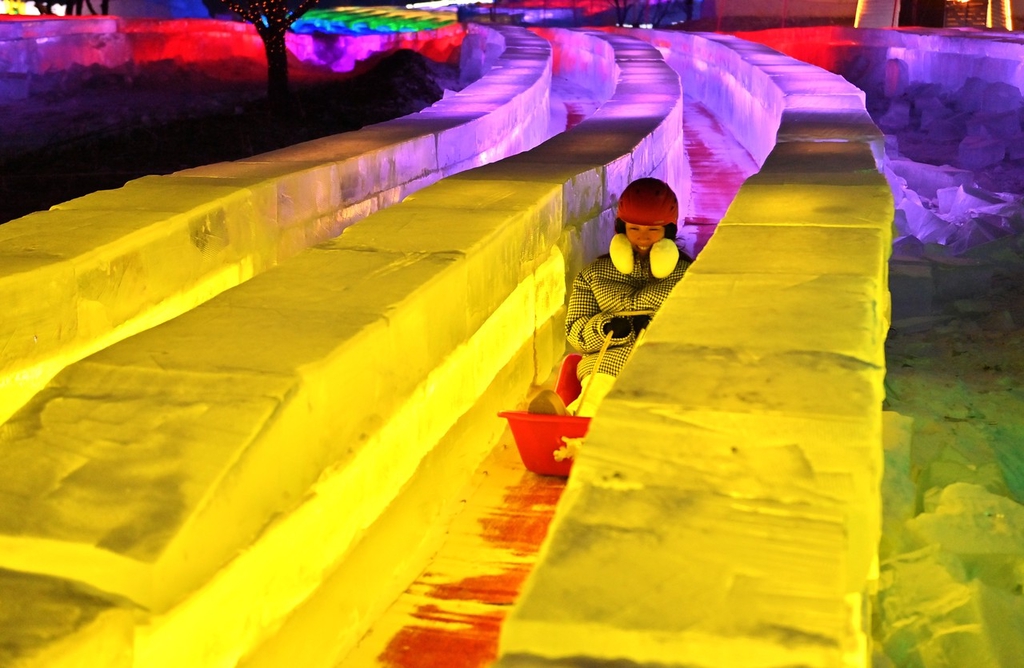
(642, 237)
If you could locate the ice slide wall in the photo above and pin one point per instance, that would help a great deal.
(725, 508)
(396, 293)
(94, 270)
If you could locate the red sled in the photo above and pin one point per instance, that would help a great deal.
(539, 436)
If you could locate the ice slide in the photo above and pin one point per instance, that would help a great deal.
(185, 390)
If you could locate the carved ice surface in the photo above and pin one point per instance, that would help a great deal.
(955, 125)
(979, 152)
(955, 601)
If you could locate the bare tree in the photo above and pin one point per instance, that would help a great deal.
(651, 12)
(272, 19)
(658, 11)
(621, 8)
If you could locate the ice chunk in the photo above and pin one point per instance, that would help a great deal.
(924, 224)
(898, 491)
(933, 616)
(927, 180)
(899, 222)
(949, 128)
(1000, 96)
(956, 203)
(931, 109)
(969, 96)
(980, 152)
(922, 89)
(897, 117)
(997, 125)
(974, 232)
(54, 622)
(942, 130)
(908, 246)
(1015, 147)
(967, 519)
(950, 467)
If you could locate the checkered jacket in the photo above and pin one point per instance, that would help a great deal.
(600, 291)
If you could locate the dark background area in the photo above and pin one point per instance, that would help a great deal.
(96, 129)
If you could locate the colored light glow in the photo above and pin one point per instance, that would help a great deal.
(17, 387)
(437, 4)
(18, 8)
(858, 14)
(370, 21)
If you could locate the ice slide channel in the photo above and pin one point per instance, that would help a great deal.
(99, 268)
(222, 464)
(725, 508)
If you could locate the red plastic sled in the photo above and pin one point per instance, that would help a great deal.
(539, 436)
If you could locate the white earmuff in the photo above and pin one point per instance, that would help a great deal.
(621, 252)
(664, 257)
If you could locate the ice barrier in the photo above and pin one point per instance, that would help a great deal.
(221, 465)
(953, 553)
(725, 508)
(101, 267)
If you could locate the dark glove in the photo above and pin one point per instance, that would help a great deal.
(640, 322)
(619, 327)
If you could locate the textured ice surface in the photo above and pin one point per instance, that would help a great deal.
(898, 489)
(976, 152)
(48, 622)
(955, 600)
(1000, 97)
(969, 520)
(937, 614)
(925, 179)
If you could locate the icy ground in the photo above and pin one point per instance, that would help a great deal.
(952, 569)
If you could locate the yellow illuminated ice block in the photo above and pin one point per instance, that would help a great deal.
(838, 316)
(211, 423)
(130, 258)
(697, 537)
(827, 163)
(51, 623)
(683, 577)
(786, 247)
(937, 613)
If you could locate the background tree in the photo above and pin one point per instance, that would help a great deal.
(658, 13)
(621, 9)
(272, 19)
(74, 7)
